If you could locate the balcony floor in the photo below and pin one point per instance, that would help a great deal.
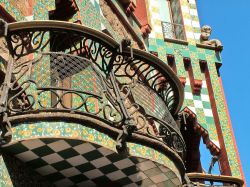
(68, 162)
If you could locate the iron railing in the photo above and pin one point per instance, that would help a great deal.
(209, 180)
(173, 31)
(60, 66)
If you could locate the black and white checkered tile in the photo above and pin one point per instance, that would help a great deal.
(77, 163)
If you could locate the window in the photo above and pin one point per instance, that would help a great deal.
(172, 23)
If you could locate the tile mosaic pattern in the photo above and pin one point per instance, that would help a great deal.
(201, 106)
(41, 9)
(155, 19)
(194, 102)
(224, 122)
(12, 10)
(78, 163)
(191, 20)
(5, 180)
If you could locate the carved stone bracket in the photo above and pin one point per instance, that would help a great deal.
(154, 53)
(146, 30)
(191, 116)
(65, 9)
(183, 80)
(130, 7)
(197, 85)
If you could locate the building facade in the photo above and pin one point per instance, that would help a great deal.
(112, 93)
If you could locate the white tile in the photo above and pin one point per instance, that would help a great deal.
(192, 109)
(32, 144)
(29, 18)
(131, 185)
(159, 178)
(176, 181)
(195, 24)
(217, 143)
(46, 170)
(152, 34)
(192, 2)
(188, 81)
(164, 169)
(84, 148)
(138, 177)
(208, 112)
(193, 12)
(77, 160)
(100, 162)
(198, 104)
(205, 97)
(185, 9)
(64, 182)
(157, 28)
(156, 16)
(204, 84)
(26, 156)
(88, 183)
(105, 151)
(52, 158)
(146, 165)
(125, 163)
(59, 145)
(189, 95)
(197, 36)
(190, 34)
(92, 174)
(116, 175)
(154, 3)
(70, 172)
(187, 22)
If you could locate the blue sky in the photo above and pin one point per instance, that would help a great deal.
(230, 21)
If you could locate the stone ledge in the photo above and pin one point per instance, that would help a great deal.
(209, 47)
(176, 41)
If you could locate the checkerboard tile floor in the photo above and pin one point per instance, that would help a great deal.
(77, 163)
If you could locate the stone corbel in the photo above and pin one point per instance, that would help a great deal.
(154, 53)
(191, 116)
(146, 30)
(183, 81)
(197, 85)
(130, 7)
(65, 10)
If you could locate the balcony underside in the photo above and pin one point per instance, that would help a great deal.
(68, 153)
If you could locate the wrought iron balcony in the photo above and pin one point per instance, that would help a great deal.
(64, 67)
(173, 31)
(201, 179)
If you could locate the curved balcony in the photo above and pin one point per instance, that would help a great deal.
(68, 72)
